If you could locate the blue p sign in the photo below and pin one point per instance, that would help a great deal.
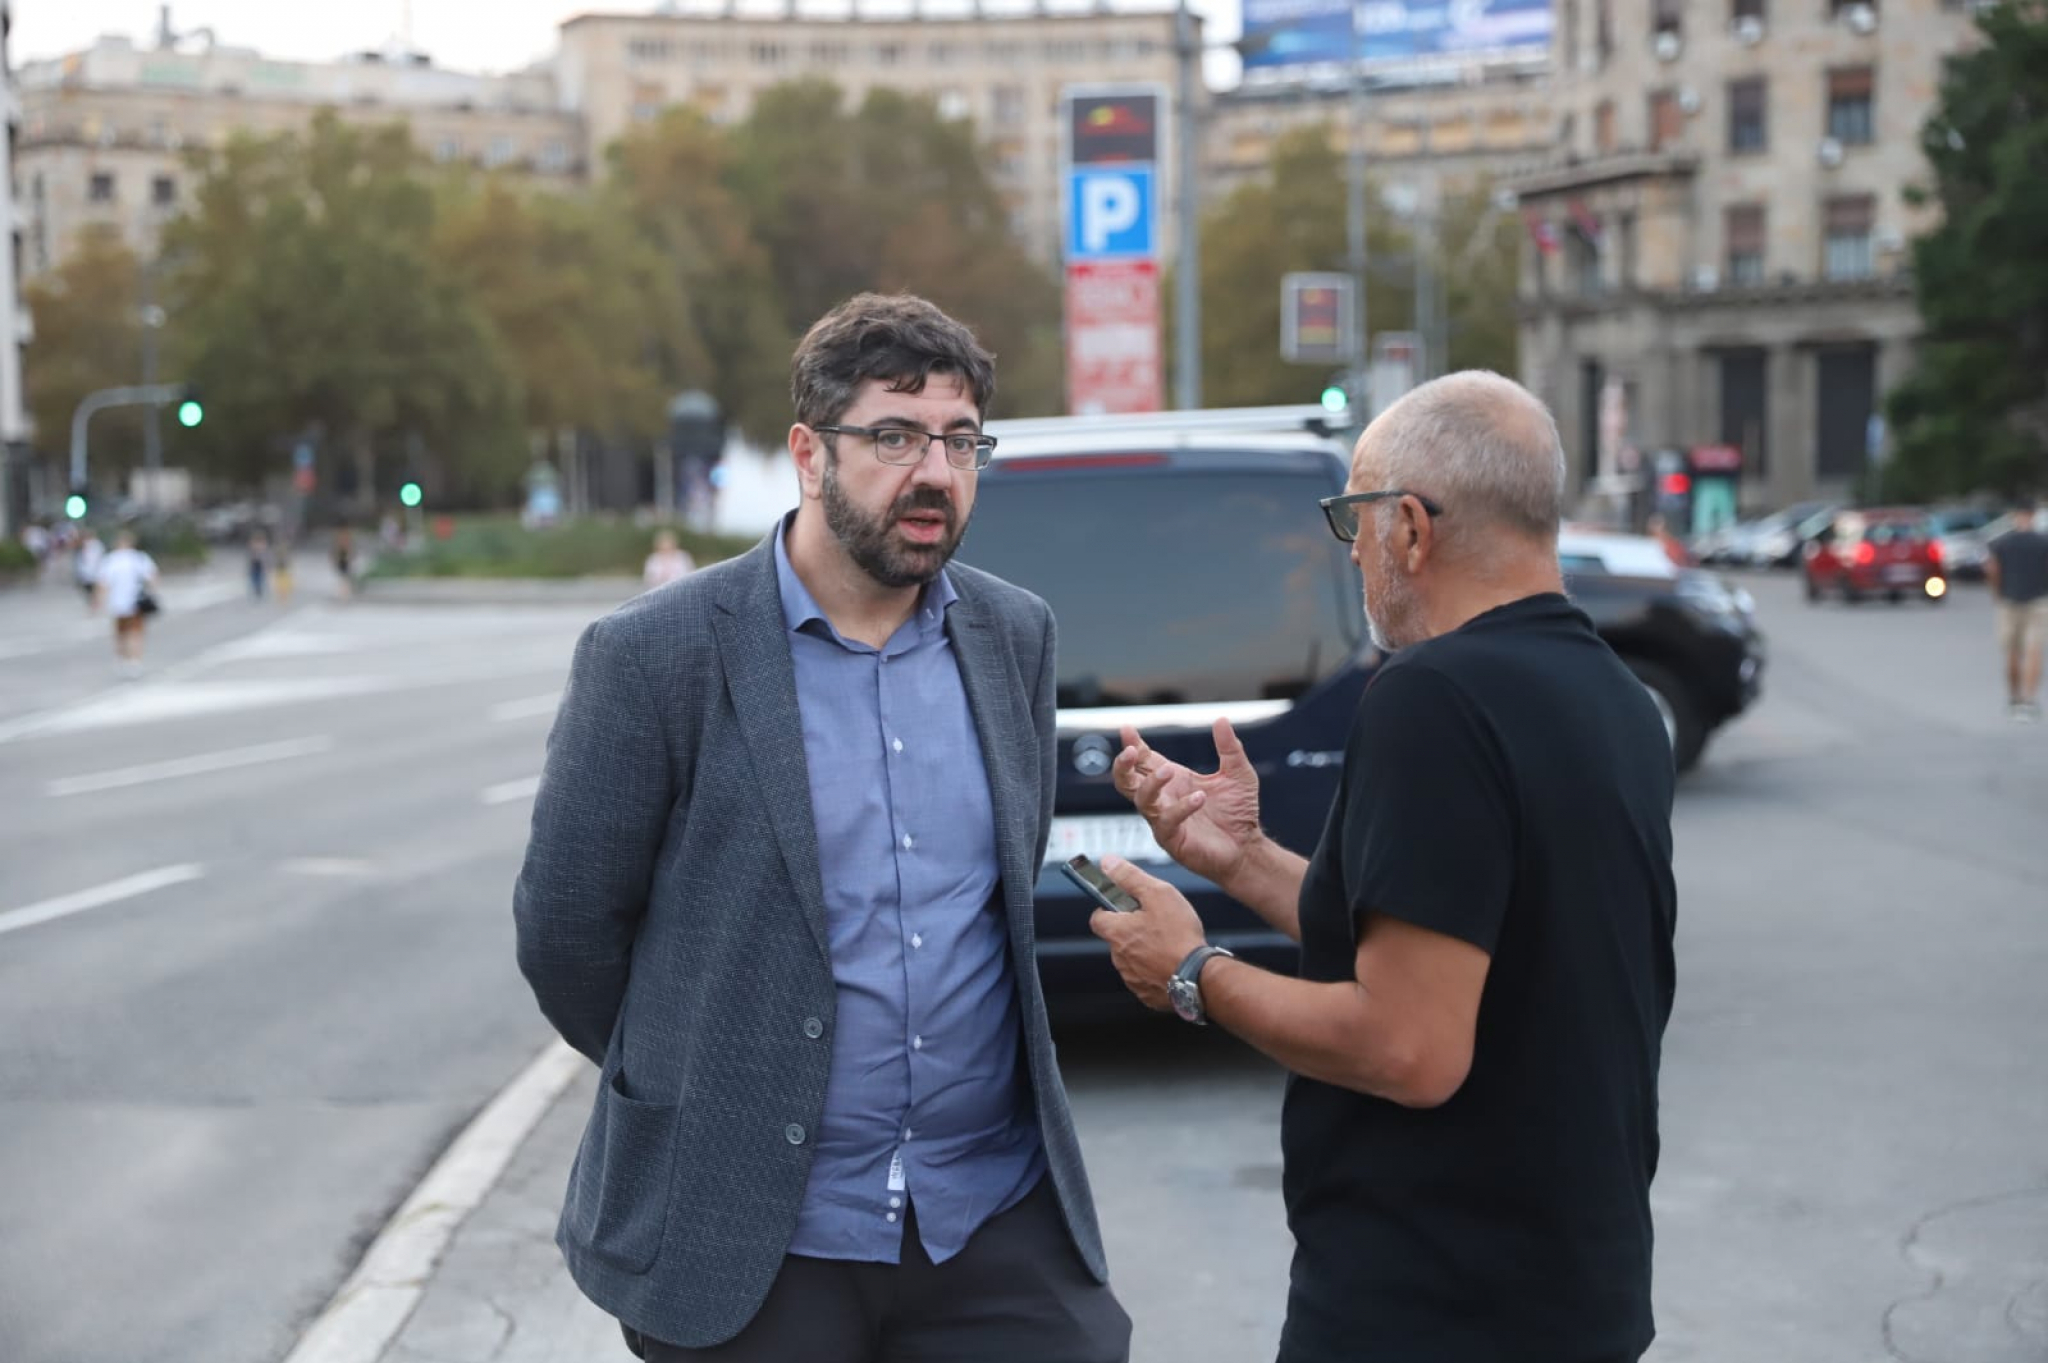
(1110, 214)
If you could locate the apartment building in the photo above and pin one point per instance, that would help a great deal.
(1718, 255)
(104, 132)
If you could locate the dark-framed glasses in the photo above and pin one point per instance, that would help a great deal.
(907, 444)
(1342, 511)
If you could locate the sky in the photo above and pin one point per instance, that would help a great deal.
(452, 32)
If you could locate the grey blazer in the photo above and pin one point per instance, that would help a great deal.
(671, 921)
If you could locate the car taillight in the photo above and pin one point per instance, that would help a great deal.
(1866, 553)
(1934, 551)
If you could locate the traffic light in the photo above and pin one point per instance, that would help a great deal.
(191, 411)
(1335, 399)
(75, 505)
(410, 495)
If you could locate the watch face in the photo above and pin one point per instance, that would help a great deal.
(1187, 999)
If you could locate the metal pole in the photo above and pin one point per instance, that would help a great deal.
(154, 395)
(152, 428)
(1354, 223)
(1187, 310)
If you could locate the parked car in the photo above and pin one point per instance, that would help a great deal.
(1893, 551)
(1777, 540)
(1192, 575)
(1965, 534)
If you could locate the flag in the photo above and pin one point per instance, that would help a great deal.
(1540, 231)
(1583, 219)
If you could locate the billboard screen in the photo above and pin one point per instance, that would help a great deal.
(1282, 33)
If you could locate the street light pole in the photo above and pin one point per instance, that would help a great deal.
(1354, 223)
(152, 429)
(1187, 269)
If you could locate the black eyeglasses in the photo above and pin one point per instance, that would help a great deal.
(1342, 512)
(906, 444)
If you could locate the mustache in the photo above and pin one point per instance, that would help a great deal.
(923, 499)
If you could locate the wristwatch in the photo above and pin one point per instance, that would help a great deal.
(1185, 988)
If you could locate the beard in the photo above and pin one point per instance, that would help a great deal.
(1390, 621)
(872, 542)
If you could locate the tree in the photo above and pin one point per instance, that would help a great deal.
(1975, 415)
(1478, 259)
(88, 336)
(309, 298)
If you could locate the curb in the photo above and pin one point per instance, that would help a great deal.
(520, 591)
(379, 1297)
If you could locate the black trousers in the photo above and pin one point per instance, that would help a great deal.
(1017, 1294)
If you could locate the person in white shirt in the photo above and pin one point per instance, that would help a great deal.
(85, 569)
(668, 561)
(127, 576)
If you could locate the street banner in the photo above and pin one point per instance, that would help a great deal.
(1113, 353)
(1392, 33)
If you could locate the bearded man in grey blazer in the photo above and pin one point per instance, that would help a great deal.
(779, 889)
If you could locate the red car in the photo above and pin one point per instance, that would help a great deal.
(1893, 551)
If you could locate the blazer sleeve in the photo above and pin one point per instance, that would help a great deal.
(599, 819)
(1044, 719)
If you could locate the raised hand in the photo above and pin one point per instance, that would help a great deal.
(1204, 821)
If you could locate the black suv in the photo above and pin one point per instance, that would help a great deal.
(1193, 575)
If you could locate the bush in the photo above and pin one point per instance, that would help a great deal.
(499, 546)
(169, 542)
(15, 558)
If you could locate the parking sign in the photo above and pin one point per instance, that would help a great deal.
(1111, 214)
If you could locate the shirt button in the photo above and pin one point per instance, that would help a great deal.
(908, 1133)
(895, 1201)
(892, 1217)
(917, 1043)
(916, 939)
(897, 745)
(794, 1133)
(908, 843)
(813, 1028)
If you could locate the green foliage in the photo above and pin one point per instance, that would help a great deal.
(1975, 414)
(88, 315)
(15, 558)
(500, 547)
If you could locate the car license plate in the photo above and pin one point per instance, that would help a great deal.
(1127, 835)
(1902, 572)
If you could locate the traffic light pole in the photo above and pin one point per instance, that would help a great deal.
(145, 395)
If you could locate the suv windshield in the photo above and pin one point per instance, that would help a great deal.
(1190, 588)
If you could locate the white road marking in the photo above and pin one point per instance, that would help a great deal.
(190, 766)
(111, 893)
(521, 789)
(380, 1296)
(337, 867)
(527, 708)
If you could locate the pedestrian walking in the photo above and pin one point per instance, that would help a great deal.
(2017, 568)
(86, 558)
(128, 585)
(668, 563)
(779, 888)
(1470, 1128)
(259, 564)
(281, 570)
(344, 563)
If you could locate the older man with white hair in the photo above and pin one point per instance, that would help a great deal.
(1470, 1127)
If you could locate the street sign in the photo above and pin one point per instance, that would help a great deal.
(1315, 318)
(1113, 361)
(1396, 366)
(1113, 125)
(1112, 214)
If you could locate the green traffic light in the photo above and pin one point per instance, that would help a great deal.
(1334, 399)
(74, 507)
(190, 413)
(410, 494)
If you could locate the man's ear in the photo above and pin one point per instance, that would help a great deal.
(807, 451)
(1418, 531)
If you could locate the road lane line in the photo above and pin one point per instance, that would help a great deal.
(190, 766)
(111, 893)
(526, 709)
(359, 1325)
(521, 789)
(326, 866)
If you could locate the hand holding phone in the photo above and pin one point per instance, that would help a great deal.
(1096, 884)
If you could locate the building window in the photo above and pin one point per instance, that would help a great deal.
(498, 153)
(1667, 120)
(1846, 379)
(1603, 127)
(554, 156)
(1739, 10)
(1603, 30)
(649, 49)
(163, 191)
(448, 149)
(770, 54)
(1585, 262)
(1848, 221)
(1745, 229)
(1668, 17)
(1745, 407)
(942, 55)
(1007, 106)
(1746, 115)
(1849, 106)
(100, 189)
(1837, 8)
(889, 54)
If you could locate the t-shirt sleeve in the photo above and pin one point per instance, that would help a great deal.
(1429, 826)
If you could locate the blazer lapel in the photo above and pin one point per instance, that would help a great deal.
(1009, 750)
(753, 648)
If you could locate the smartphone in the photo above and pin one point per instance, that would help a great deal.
(1096, 884)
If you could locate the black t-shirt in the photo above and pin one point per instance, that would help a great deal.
(2022, 565)
(1508, 784)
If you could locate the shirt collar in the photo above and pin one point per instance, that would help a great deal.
(799, 607)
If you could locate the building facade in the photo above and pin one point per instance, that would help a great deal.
(1004, 71)
(105, 132)
(1718, 254)
(15, 328)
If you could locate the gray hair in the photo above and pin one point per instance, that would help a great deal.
(1483, 447)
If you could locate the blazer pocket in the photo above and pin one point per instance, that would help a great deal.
(619, 1192)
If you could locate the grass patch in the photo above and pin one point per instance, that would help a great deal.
(499, 546)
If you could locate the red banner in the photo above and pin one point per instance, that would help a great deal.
(1113, 361)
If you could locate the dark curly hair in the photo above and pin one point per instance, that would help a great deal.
(899, 338)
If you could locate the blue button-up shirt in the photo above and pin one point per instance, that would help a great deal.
(925, 1098)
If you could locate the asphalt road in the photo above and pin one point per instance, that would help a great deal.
(212, 1089)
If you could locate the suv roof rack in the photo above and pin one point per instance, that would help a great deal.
(1310, 417)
